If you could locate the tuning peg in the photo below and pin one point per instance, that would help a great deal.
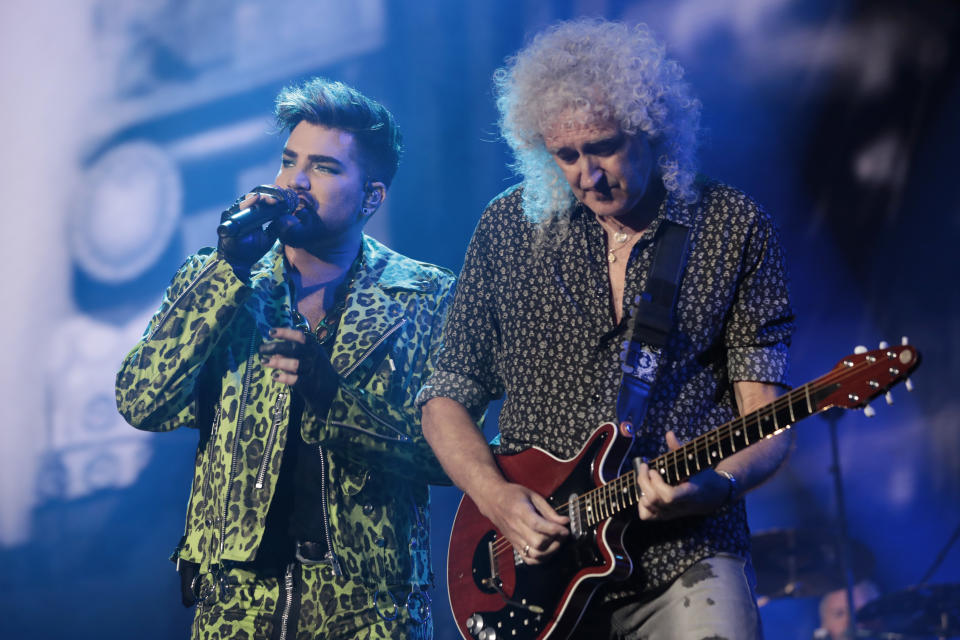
(884, 344)
(888, 397)
(906, 383)
(869, 411)
(859, 349)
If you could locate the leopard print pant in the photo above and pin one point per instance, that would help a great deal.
(248, 605)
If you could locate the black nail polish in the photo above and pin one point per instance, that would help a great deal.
(275, 375)
(272, 332)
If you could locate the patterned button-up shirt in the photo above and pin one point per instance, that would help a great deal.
(537, 326)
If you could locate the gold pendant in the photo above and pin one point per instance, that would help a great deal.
(610, 257)
(620, 237)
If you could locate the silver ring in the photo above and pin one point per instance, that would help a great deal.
(526, 550)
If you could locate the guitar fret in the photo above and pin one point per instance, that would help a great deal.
(806, 391)
(793, 418)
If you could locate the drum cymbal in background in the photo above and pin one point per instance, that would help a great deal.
(798, 563)
(922, 610)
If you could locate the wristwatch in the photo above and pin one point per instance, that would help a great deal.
(733, 493)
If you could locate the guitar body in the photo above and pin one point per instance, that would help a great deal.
(546, 600)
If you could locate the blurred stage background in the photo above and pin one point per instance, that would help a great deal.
(128, 126)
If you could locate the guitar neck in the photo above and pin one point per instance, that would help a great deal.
(707, 450)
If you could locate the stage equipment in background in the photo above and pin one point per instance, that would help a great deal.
(924, 610)
(792, 563)
(493, 594)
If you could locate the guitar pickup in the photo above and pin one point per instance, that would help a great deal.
(573, 512)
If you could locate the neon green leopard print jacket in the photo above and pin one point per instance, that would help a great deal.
(197, 366)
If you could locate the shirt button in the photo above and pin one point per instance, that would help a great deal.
(597, 398)
(367, 509)
(380, 542)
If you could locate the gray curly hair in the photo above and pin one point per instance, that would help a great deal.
(599, 70)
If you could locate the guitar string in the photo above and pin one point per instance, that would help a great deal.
(784, 401)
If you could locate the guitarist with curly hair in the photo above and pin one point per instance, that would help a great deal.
(603, 130)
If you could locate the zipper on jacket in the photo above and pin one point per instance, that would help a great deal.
(288, 590)
(186, 290)
(236, 438)
(389, 332)
(211, 447)
(216, 425)
(331, 556)
(373, 434)
(400, 434)
(271, 439)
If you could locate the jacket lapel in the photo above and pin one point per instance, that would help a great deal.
(375, 311)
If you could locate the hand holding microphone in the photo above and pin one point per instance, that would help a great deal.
(243, 240)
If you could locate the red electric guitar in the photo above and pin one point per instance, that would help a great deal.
(495, 596)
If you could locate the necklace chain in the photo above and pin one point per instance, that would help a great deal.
(326, 327)
(619, 236)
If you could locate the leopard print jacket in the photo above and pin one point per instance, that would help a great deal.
(197, 366)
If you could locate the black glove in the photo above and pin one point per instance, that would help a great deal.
(317, 381)
(242, 251)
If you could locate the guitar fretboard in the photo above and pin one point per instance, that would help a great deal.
(707, 450)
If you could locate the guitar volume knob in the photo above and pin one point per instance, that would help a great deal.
(475, 624)
(487, 634)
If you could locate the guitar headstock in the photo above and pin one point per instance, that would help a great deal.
(864, 375)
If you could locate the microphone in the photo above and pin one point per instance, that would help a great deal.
(244, 221)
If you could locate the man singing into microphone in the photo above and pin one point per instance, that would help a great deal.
(296, 351)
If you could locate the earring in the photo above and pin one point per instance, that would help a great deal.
(365, 211)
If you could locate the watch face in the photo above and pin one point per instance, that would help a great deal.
(128, 212)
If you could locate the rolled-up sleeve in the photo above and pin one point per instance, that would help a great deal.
(761, 322)
(467, 364)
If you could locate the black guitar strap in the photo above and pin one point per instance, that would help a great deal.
(651, 319)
